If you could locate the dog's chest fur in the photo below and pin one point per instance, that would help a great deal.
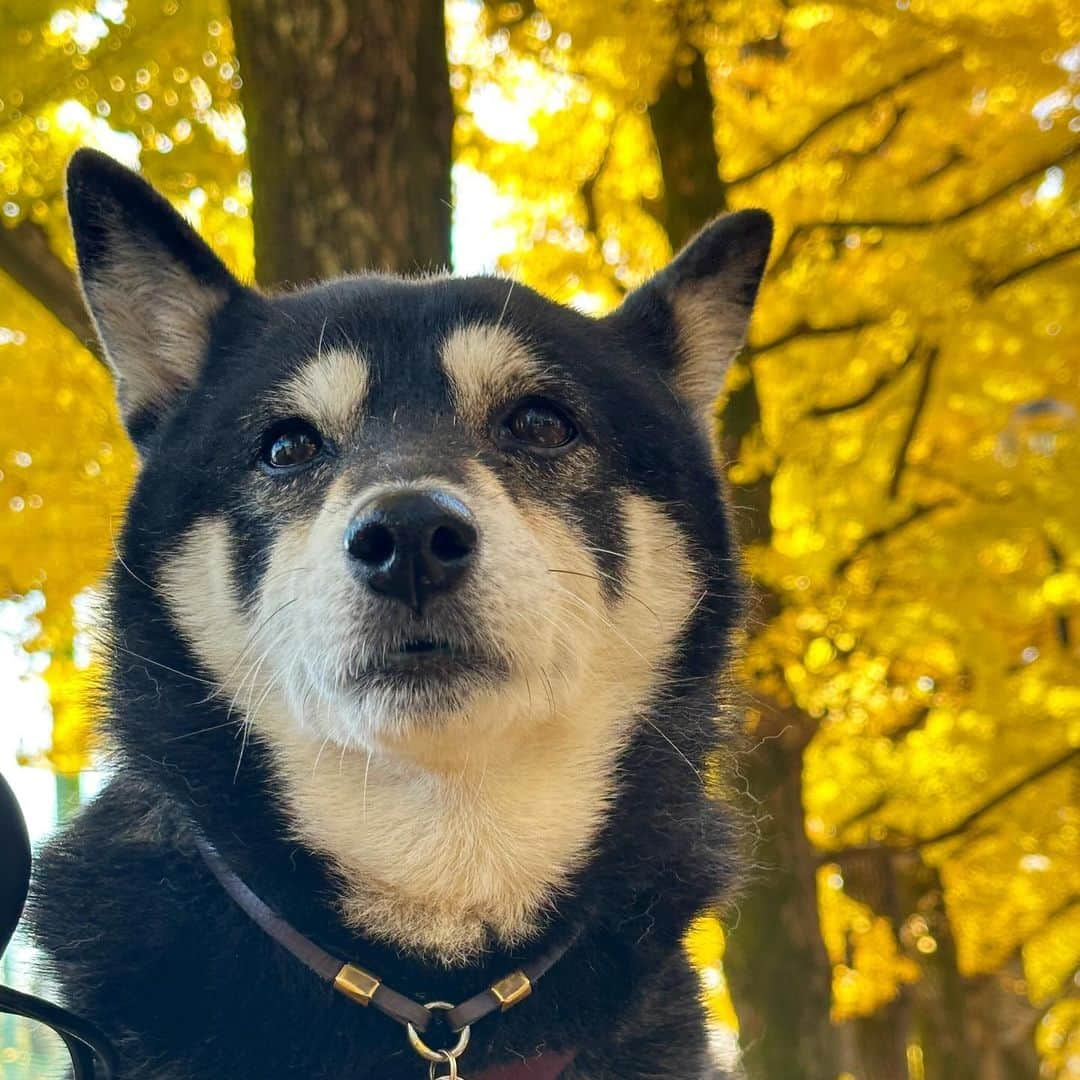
(201, 988)
(472, 839)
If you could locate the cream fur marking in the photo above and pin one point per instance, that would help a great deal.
(486, 365)
(711, 331)
(329, 390)
(446, 834)
(196, 582)
(155, 327)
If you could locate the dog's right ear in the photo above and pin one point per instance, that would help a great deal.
(693, 314)
(151, 284)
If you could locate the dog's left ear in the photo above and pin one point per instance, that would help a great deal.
(693, 314)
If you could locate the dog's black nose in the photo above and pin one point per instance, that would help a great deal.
(411, 545)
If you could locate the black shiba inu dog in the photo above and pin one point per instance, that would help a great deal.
(414, 636)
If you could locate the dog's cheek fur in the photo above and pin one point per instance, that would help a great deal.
(200, 590)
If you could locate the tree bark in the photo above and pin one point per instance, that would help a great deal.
(779, 972)
(27, 258)
(682, 123)
(999, 1026)
(938, 1017)
(349, 121)
(775, 960)
(881, 1039)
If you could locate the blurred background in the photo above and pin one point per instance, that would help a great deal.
(901, 434)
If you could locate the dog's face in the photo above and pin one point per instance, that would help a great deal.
(418, 503)
(417, 518)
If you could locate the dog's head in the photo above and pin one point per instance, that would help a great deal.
(418, 518)
(415, 503)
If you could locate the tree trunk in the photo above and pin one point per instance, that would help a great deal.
(682, 123)
(881, 1039)
(776, 964)
(28, 259)
(775, 961)
(938, 1017)
(349, 122)
(1000, 1025)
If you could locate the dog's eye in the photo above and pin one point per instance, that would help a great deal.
(290, 444)
(540, 424)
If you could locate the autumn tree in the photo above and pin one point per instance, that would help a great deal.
(352, 162)
(899, 434)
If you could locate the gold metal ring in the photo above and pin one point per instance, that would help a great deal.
(440, 1057)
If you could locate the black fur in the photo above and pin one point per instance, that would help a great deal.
(142, 938)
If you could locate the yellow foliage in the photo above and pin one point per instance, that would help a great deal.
(868, 967)
(705, 947)
(154, 85)
(1058, 1040)
(65, 467)
(915, 360)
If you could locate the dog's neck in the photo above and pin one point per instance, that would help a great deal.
(460, 845)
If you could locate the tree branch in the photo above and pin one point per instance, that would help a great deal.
(885, 379)
(840, 114)
(918, 224)
(886, 137)
(919, 407)
(1022, 271)
(871, 808)
(805, 330)
(588, 188)
(27, 258)
(965, 823)
(916, 722)
(1002, 796)
(1061, 620)
(971, 492)
(954, 158)
(885, 531)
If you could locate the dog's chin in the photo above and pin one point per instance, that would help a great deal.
(425, 670)
(417, 690)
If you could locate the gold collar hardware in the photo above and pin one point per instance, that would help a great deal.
(510, 990)
(367, 989)
(447, 1056)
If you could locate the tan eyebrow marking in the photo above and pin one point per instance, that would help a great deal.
(330, 389)
(484, 364)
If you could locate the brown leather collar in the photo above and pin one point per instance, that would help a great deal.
(367, 989)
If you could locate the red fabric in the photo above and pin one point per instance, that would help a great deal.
(544, 1067)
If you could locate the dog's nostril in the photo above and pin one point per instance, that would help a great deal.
(451, 543)
(373, 543)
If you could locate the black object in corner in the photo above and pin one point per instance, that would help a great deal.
(92, 1057)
